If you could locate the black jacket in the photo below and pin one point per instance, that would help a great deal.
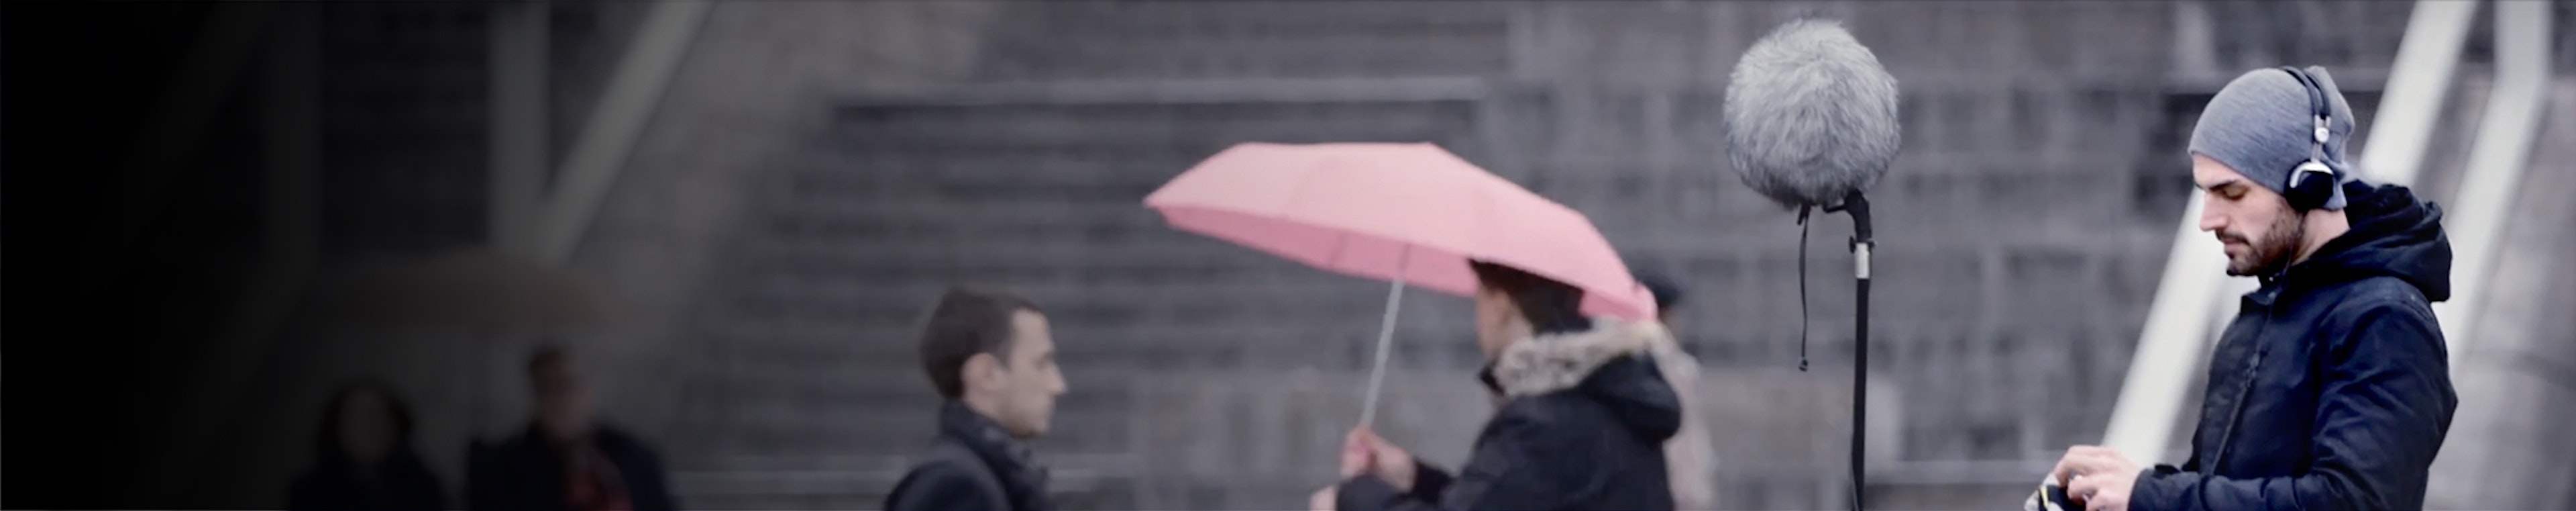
(1582, 427)
(402, 482)
(975, 466)
(525, 473)
(2332, 388)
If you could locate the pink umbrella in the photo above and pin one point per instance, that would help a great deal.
(1407, 213)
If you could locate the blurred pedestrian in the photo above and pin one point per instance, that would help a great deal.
(989, 355)
(363, 457)
(566, 459)
(1583, 424)
(1692, 457)
(2332, 388)
(1668, 297)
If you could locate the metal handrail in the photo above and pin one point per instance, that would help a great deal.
(2497, 160)
(614, 127)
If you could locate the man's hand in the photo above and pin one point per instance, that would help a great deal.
(2097, 476)
(1363, 450)
(1322, 500)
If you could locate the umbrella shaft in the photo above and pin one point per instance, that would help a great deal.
(1385, 336)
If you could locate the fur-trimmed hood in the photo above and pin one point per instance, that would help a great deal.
(1559, 361)
(1642, 374)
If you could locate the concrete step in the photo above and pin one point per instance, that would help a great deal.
(1252, 280)
(880, 222)
(1361, 17)
(1161, 129)
(1292, 30)
(1085, 343)
(1237, 39)
(772, 425)
(1262, 335)
(1041, 260)
(861, 482)
(873, 173)
(1357, 55)
(1223, 319)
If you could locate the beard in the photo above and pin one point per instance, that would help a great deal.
(2270, 254)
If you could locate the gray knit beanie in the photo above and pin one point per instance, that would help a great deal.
(2261, 124)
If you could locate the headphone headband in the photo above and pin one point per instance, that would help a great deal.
(2318, 108)
(2311, 192)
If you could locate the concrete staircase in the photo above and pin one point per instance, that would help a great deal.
(404, 90)
(1042, 199)
(1207, 376)
(1254, 39)
(809, 393)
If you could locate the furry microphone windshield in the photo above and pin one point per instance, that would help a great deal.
(1810, 115)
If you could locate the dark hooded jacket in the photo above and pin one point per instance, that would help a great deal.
(2331, 389)
(974, 467)
(527, 472)
(400, 482)
(1583, 425)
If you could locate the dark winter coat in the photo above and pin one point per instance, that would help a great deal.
(2331, 389)
(975, 466)
(1583, 426)
(527, 473)
(401, 482)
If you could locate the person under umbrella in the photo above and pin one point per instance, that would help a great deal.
(1584, 422)
(1414, 214)
(1691, 459)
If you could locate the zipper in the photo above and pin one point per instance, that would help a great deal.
(2244, 392)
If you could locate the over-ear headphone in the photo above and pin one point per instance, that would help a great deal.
(2312, 183)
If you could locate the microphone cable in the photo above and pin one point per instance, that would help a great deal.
(1802, 286)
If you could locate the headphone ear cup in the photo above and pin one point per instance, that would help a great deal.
(2311, 185)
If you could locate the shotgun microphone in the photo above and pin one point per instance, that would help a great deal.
(1810, 122)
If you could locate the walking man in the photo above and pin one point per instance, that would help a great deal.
(990, 355)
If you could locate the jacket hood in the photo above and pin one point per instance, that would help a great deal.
(1612, 362)
(2393, 234)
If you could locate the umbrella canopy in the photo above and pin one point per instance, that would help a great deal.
(1406, 212)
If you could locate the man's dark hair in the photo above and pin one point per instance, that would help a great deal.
(1550, 306)
(1668, 294)
(967, 322)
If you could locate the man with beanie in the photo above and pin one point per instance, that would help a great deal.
(2331, 389)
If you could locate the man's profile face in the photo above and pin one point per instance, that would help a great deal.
(1028, 382)
(2260, 232)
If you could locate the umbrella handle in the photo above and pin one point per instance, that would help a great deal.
(1385, 334)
